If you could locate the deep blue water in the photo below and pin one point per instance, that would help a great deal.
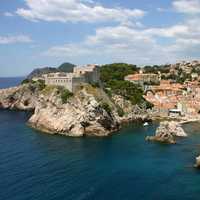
(124, 166)
(10, 82)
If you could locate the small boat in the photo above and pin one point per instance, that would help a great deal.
(146, 124)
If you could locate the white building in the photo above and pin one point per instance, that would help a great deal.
(81, 74)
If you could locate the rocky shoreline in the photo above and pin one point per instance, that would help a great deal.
(83, 114)
(88, 112)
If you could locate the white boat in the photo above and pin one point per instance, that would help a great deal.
(146, 124)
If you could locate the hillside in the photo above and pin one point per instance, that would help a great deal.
(178, 72)
(65, 67)
(112, 78)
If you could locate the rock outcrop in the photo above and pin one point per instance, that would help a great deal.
(197, 164)
(82, 115)
(166, 132)
(90, 111)
(132, 112)
(23, 97)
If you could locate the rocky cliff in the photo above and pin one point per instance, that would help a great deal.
(81, 115)
(88, 112)
(23, 97)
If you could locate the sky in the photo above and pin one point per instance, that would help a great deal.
(40, 33)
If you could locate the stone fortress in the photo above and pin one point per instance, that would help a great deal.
(81, 74)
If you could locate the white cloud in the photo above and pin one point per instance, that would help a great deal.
(173, 31)
(129, 41)
(187, 6)
(113, 44)
(135, 44)
(8, 14)
(15, 39)
(75, 11)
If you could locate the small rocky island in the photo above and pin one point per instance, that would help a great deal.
(167, 132)
(197, 164)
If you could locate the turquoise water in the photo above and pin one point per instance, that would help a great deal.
(123, 166)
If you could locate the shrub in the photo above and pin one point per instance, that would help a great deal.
(120, 111)
(126, 89)
(65, 95)
(112, 77)
(106, 107)
(41, 84)
(25, 81)
(108, 91)
(95, 85)
(149, 105)
(116, 71)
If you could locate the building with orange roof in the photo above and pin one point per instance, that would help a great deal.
(143, 78)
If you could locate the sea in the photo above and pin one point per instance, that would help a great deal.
(38, 166)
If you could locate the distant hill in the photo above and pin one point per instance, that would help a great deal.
(65, 67)
(40, 71)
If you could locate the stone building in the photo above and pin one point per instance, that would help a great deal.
(81, 74)
(90, 72)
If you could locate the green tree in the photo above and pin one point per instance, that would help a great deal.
(65, 94)
(116, 71)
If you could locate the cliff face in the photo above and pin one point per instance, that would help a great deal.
(23, 97)
(88, 112)
(82, 115)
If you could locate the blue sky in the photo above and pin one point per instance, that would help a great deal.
(49, 32)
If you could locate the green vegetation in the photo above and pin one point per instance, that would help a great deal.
(40, 71)
(95, 85)
(181, 77)
(112, 77)
(25, 81)
(126, 89)
(120, 111)
(116, 71)
(41, 84)
(106, 107)
(196, 69)
(148, 105)
(48, 89)
(65, 95)
(66, 67)
(157, 68)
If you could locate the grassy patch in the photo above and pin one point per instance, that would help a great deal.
(48, 89)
